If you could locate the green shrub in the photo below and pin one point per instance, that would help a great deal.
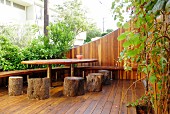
(10, 55)
(60, 39)
(55, 45)
(34, 51)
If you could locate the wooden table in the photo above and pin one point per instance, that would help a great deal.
(49, 62)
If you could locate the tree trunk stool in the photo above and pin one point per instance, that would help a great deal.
(15, 85)
(94, 82)
(38, 88)
(73, 86)
(106, 78)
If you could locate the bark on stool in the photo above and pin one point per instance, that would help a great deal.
(38, 88)
(15, 86)
(73, 86)
(106, 78)
(94, 82)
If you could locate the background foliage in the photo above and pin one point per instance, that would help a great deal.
(55, 45)
(73, 13)
(92, 33)
(20, 35)
(10, 55)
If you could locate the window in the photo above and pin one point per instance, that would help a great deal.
(8, 2)
(2, 1)
(19, 6)
(39, 12)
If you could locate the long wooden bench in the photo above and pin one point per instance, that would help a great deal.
(21, 72)
(27, 72)
(111, 68)
(102, 68)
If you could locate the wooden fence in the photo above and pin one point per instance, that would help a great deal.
(106, 50)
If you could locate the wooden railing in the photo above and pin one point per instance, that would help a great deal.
(106, 50)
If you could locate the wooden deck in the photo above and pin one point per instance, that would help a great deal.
(108, 101)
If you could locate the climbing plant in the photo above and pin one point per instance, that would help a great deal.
(147, 42)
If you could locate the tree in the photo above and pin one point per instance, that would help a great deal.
(46, 17)
(74, 15)
(92, 33)
(148, 44)
(109, 30)
(60, 39)
(20, 35)
(55, 45)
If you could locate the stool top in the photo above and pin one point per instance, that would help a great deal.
(95, 74)
(15, 77)
(74, 78)
(102, 71)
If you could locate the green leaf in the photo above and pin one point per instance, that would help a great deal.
(126, 44)
(126, 1)
(141, 47)
(122, 36)
(149, 67)
(137, 25)
(144, 70)
(119, 24)
(126, 25)
(115, 17)
(163, 60)
(153, 78)
(132, 53)
(127, 68)
(138, 59)
(113, 5)
(159, 85)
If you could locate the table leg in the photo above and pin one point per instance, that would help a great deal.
(72, 70)
(49, 73)
(111, 75)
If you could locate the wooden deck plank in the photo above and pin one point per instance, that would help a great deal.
(60, 109)
(40, 103)
(95, 101)
(116, 103)
(113, 92)
(43, 106)
(13, 108)
(53, 101)
(124, 99)
(75, 107)
(11, 100)
(91, 107)
(105, 102)
(86, 104)
(107, 107)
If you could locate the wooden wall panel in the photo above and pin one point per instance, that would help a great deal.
(106, 50)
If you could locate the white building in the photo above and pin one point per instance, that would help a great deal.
(29, 12)
(24, 11)
(80, 39)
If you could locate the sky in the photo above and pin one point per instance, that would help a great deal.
(100, 12)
